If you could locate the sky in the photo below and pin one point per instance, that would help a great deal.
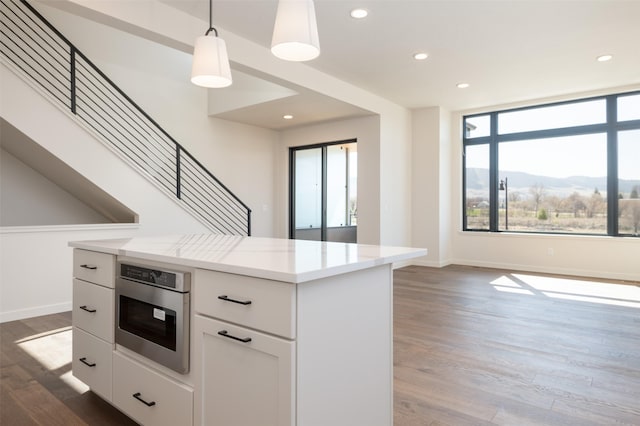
(584, 155)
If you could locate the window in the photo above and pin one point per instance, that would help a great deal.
(477, 186)
(570, 168)
(629, 182)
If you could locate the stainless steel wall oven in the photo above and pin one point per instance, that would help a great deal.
(152, 313)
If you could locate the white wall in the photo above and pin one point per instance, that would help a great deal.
(59, 133)
(426, 183)
(437, 216)
(164, 24)
(36, 266)
(395, 177)
(447, 170)
(35, 263)
(28, 198)
(156, 77)
(595, 256)
(431, 189)
(367, 132)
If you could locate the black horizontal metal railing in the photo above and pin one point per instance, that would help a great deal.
(48, 59)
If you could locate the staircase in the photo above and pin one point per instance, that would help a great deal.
(39, 53)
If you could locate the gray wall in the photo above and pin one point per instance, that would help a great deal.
(27, 198)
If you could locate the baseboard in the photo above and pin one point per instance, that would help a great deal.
(432, 264)
(526, 268)
(34, 312)
(550, 270)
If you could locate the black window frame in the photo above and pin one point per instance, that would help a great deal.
(610, 127)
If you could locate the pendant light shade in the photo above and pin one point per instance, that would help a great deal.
(210, 67)
(295, 33)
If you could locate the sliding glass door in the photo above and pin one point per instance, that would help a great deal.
(308, 194)
(323, 192)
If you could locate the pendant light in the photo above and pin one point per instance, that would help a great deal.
(210, 66)
(295, 32)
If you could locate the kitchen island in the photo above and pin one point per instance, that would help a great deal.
(282, 332)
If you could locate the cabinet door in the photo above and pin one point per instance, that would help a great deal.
(244, 377)
(92, 362)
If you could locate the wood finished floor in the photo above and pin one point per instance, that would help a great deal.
(488, 347)
(472, 347)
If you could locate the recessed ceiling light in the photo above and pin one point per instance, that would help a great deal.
(359, 13)
(287, 117)
(420, 56)
(604, 58)
(462, 85)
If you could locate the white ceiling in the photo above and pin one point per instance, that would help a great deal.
(508, 51)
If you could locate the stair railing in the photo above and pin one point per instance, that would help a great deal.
(30, 43)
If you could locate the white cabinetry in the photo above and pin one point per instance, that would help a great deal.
(252, 302)
(149, 397)
(93, 319)
(311, 354)
(283, 332)
(94, 309)
(98, 268)
(92, 362)
(246, 377)
(245, 358)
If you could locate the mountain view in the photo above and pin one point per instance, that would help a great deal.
(534, 203)
(478, 183)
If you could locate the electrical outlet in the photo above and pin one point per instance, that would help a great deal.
(550, 252)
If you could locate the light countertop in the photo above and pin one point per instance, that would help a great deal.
(294, 261)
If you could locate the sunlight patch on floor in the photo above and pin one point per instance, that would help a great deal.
(593, 291)
(570, 289)
(507, 285)
(74, 383)
(51, 349)
(505, 281)
(605, 301)
(513, 290)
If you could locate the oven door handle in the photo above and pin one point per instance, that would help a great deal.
(239, 302)
(225, 333)
(139, 398)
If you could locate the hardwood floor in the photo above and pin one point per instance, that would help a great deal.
(472, 347)
(488, 347)
(36, 386)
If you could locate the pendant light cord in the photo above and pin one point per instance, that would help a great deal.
(211, 21)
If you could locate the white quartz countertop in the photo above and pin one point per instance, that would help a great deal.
(294, 261)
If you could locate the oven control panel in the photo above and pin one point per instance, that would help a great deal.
(167, 279)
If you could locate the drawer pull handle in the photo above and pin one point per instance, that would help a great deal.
(92, 267)
(239, 302)
(84, 308)
(225, 333)
(85, 362)
(148, 404)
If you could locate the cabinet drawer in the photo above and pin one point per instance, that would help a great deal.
(98, 268)
(92, 362)
(253, 302)
(148, 397)
(93, 309)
